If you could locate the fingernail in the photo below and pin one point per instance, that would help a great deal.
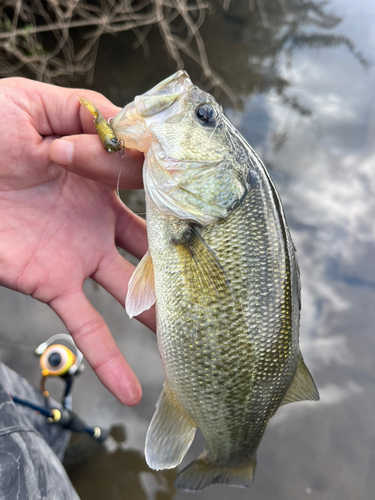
(61, 151)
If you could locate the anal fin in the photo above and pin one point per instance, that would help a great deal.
(141, 287)
(303, 387)
(170, 434)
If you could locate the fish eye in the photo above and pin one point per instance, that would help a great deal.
(205, 112)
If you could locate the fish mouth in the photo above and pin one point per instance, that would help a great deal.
(132, 121)
(177, 83)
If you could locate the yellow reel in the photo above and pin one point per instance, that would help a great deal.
(56, 360)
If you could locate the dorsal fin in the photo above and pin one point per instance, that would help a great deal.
(141, 287)
(303, 387)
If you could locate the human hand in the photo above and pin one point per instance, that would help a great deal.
(58, 228)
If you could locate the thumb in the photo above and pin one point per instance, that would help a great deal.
(84, 155)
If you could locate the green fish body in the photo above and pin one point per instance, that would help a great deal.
(221, 267)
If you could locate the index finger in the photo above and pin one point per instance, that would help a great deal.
(84, 155)
(94, 339)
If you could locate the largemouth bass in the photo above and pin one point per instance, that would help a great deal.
(222, 269)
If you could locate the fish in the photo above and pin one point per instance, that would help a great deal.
(222, 270)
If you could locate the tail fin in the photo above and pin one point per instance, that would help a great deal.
(89, 105)
(201, 473)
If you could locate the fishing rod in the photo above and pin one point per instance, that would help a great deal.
(64, 418)
(58, 360)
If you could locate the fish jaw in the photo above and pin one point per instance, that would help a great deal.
(132, 123)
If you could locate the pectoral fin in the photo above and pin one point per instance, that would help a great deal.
(303, 387)
(141, 288)
(205, 277)
(170, 434)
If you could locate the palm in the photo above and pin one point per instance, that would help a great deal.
(57, 234)
(58, 228)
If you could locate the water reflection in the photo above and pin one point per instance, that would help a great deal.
(252, 49)
(113, 471)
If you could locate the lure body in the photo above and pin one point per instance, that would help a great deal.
(103, 128)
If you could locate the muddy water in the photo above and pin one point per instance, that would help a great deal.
(307, 106)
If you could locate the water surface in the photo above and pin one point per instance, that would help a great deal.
(307, 106)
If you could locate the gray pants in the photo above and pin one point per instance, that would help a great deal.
(30, 450)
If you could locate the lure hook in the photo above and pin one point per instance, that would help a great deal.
(122, 147)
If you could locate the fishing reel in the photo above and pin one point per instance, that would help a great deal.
(57, 360)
